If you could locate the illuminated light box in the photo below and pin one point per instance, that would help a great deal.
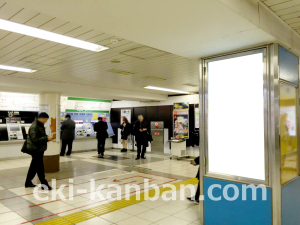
(236, 117)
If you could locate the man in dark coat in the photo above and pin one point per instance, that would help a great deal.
(141, 137)
(37, 145)
(101, 129)
(67, 135)
(196, 162)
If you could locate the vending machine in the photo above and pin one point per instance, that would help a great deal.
(14, 131)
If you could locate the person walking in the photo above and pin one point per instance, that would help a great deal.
(125, 131)
(141, 137)
(101, 129)
(37, 145)
(195, 162)
(67, 135)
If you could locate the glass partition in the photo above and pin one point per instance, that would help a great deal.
(235, 116)
(288, 132)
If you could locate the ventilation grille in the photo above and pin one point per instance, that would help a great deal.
(120, 72)
(41, 60)
(144, 52)
(115, 61)
(191, 85)
(154, 78)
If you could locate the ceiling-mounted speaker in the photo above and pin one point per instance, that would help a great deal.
(115, 61)
(144, 52)
(120, 72)
(114, 40)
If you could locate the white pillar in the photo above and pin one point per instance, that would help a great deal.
(50, 103)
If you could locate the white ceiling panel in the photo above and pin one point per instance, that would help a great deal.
(293, 20)
(66, 28)
(64, 64)
(9, 39)
(290, 15)
(287, 10)
(21, 17)
(173, 26)
(61, 68)
(3, 33)
(7, 11)
(285, 5)
(53, 24)
(295, 25)
(274, 2)
(27, 49)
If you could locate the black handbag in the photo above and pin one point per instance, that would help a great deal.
(25, 149)
(149, 137)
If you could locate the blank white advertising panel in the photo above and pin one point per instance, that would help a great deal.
(236, 117)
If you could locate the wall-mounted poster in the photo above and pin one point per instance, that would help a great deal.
(127, 114)
(197, 115)
(288, 118)
(181, 120)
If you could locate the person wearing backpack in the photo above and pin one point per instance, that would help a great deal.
(37, 145)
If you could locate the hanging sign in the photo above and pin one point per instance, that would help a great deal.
(18, 102)
(87, 105)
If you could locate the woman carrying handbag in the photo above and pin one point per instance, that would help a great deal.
(125, 131)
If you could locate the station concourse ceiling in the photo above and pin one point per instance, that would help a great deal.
(287, 10)
(159, 44)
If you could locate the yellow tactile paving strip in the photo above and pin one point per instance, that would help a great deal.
(87, 214)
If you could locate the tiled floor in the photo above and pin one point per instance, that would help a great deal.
(19, 205)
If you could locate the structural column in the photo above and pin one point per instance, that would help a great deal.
(50, 103)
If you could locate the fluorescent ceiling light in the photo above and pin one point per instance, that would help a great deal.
(19, 69)
(49, 36)
(165, 89)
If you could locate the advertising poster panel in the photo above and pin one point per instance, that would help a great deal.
(181, 120)
(127, 114)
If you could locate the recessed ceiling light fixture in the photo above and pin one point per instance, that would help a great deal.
(166, 89)
(49, 36)
(19, 69)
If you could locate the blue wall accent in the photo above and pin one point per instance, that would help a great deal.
(236, 212)
(291, 203)
(288, 66)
